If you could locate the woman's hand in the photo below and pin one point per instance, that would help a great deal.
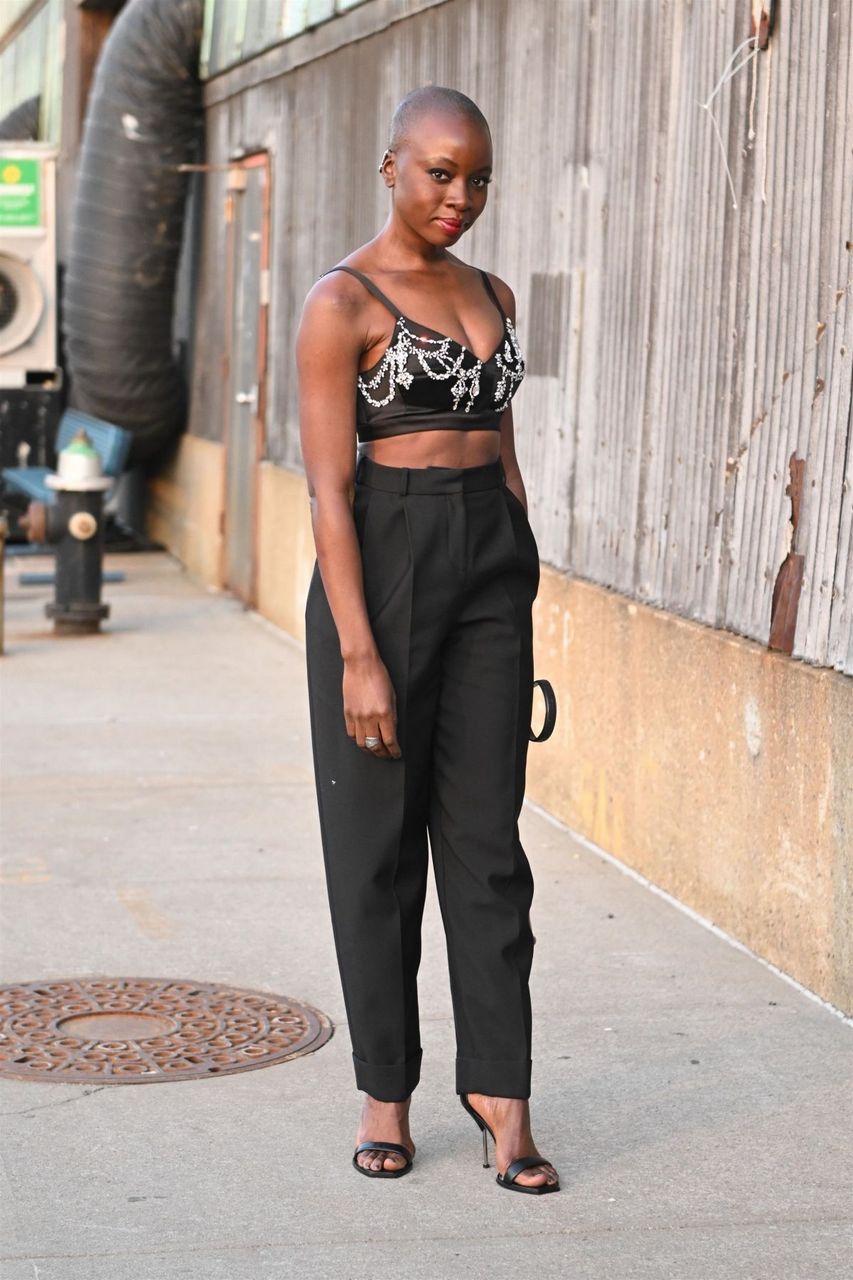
(370, 705)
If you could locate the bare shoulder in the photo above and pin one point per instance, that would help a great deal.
(502, 289)
(506, 295)
(336, 296)
(334, 321)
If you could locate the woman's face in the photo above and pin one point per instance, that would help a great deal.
(440, 176)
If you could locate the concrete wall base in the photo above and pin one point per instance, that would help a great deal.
(718, 769)
(185, 507)
(286, 550)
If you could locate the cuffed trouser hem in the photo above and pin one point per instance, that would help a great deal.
(497, 1079)
(391, 1083)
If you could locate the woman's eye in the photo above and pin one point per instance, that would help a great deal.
(440, 174)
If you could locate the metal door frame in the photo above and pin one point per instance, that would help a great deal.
(256, 160)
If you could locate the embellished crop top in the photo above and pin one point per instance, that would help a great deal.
(425, 381)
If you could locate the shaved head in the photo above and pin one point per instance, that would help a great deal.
(431, 100)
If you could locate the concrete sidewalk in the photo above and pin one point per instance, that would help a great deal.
(159, 820)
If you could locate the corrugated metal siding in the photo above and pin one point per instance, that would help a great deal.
(679, 349)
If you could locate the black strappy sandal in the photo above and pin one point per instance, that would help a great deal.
(394, 1147)
(508, 1180)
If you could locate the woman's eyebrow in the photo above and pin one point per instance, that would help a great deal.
(447, 160)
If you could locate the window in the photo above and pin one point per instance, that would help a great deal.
(30, 67)
(235, 30)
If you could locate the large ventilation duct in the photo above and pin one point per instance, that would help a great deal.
(22, 122)
(143, 120)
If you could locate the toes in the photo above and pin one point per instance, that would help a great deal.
(538, 1176)
(379, 1160)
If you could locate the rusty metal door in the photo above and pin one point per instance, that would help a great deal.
(247, 271)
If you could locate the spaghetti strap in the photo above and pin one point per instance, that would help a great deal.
(490, 290)
(371, 287)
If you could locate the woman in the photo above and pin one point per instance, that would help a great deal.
(418, 638)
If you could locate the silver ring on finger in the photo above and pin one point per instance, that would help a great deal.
(372, 743)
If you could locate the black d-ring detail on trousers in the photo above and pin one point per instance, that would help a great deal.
(450, 574)
(550, 711)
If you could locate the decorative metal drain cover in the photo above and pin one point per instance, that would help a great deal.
(148, 1030)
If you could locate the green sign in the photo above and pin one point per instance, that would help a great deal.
(20, 192)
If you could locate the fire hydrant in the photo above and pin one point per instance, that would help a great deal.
(75, 524)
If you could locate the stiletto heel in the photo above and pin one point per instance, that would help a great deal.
(507, 1180)
(481, 1125)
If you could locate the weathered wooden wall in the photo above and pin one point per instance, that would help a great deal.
(680, 349)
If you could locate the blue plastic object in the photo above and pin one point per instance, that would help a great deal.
(111, 442)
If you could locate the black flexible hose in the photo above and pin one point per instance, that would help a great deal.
(143, 119)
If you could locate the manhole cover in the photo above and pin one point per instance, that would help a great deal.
(147, 1030)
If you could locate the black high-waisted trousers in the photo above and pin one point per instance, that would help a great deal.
(451, 570)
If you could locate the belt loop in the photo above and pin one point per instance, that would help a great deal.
(404, 481)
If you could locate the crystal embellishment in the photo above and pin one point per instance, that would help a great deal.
(434, 357)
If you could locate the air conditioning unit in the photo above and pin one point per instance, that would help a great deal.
(28, 282)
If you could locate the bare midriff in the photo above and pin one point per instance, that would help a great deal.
(451, 448)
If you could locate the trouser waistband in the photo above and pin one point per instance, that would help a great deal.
(429, 480)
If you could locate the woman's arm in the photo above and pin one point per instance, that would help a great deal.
(508, 458)
(328, 346)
